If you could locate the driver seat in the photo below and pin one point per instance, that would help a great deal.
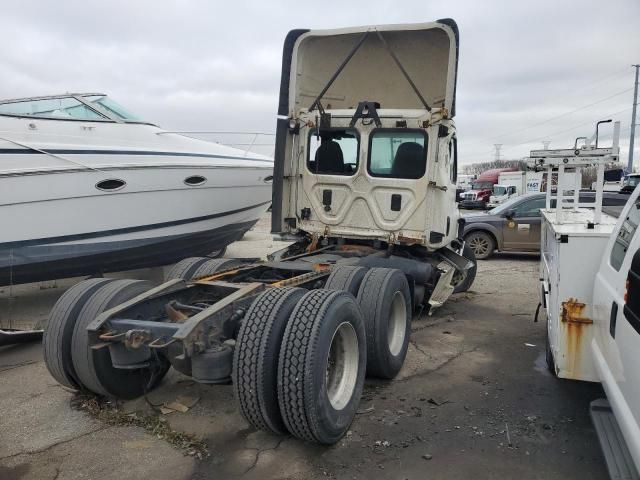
(329, 158)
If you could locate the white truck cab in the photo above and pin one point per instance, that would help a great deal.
(366, 147)
(502, 193)
(514, 184)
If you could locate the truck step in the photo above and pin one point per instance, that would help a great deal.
(616, 453)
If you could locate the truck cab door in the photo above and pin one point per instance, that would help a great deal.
(616, 299)
(522, 231)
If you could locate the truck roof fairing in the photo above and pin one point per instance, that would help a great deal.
(399, 66)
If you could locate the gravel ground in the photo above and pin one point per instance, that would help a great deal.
(474, 400)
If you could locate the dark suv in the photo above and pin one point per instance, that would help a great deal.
(515, 225)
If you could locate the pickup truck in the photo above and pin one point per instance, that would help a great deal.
(616, 344)
(590, 289)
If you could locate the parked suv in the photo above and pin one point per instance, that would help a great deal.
(515, 225)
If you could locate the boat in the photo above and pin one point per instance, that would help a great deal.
(87, 187)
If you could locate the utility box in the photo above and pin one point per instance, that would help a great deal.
(571, 251)
(574, 236)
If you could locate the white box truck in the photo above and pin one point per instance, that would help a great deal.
(514, 184)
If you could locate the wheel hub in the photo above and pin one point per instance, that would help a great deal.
(397, 328)
(479, 245)
(342, 366)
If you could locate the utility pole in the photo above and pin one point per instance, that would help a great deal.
(498, 147)
(633, 121)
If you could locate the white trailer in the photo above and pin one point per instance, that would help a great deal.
(465, 181)
(593, 331)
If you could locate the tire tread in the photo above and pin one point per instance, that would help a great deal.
(248, 364)
(299, 342)
(56, 340)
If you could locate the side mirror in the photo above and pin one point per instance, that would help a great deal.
(509, 214)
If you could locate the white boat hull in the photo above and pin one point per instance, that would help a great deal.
(65, 226)
(56, 222)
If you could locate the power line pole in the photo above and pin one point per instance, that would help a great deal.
(498, 147)
(633, 121)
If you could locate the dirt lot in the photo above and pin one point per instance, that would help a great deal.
(474, 400)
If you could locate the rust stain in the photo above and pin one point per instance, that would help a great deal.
(575, 324)
(573, 311)
(321, 267)
(357, 248)
(404, 240)
(220, 275)
(313, 245)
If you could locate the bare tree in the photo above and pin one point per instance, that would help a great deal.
(478, 168)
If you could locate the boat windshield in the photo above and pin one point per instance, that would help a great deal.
(73, 107)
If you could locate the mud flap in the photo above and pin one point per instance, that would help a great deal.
(455, 259)
(443, 288)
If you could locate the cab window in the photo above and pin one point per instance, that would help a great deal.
(333, 151)
(530, 208)
(397, 154)
(625, 235)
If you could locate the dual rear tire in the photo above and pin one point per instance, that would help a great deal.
(67, 348)
(299, 363)
(301, 357)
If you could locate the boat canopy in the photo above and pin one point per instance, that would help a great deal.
(72, 106)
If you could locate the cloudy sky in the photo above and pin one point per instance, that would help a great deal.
(529, 71)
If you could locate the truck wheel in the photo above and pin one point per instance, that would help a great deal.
(481, 243)
(322, 366)
(255, 360)
(213, 266)
(56, 340)
(185, 268)
(346, 278)
(94, 367)
(385, 300)
(463, 283)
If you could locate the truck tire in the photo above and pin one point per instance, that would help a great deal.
(467, 281)
(346, 278)
(385, 300)
(255, 360)
(185, 268)
(322, 366)
(482, 244)
(94, 367)
(212, 266)
(56, 340)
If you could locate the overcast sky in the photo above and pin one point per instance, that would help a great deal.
(215, 65)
